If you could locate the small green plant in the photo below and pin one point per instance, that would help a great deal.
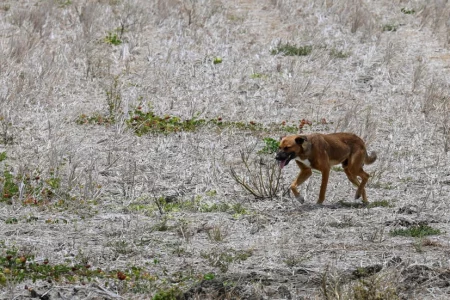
(96, 119)
(209, 276)
(338, 54)
(2, 156)
(258, 76)
(147, 122)
(112, 38)
(295, 260)
(270, 147)
(10, 187)
(172, 293)
(407, 11)
(415, 231)
(291, 50)
(389, 27)
(11, 221)
(217, 60)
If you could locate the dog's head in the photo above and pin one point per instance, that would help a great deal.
(290, 147)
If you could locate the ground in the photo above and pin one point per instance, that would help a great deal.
(123, 122)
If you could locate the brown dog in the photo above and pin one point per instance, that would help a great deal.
(321, 152)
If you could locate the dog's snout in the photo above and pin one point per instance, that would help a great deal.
(281, 155)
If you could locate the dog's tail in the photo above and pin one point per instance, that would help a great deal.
(370, 158)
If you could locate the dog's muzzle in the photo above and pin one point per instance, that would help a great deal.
(284, 158)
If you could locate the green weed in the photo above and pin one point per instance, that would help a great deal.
(172, 293)
(217, 60)
(112, 38)
(389, 27)
(415, 231)
(407, 11)
(2, 156)
(17, 267)
(291, 50)
(338, 54)
(270, 147)
(258, 76)
(95, 119)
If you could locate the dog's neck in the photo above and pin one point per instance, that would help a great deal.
(306, 162)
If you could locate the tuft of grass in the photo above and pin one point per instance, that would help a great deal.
(216, 234)
(339, 54)
(379, 286)
(389, 27)
(222, 259)
(407, 11)
(291, 50)
(415, 231)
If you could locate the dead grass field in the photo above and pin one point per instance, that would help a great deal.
(121, 120)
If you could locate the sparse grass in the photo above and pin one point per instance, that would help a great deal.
(339, 54)
(291, 50)
(295, 260)
(222, 259)
(217, 233)
(378, 203)
(127, 191)
(415, 231)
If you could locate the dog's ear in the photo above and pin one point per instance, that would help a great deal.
(300, 139)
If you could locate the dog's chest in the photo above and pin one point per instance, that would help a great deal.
(306, 162)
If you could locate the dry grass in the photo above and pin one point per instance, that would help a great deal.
(85, 195)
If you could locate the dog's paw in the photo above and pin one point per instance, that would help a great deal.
(300, 199)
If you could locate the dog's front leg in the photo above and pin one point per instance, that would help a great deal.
(323, 186)
(304, 174)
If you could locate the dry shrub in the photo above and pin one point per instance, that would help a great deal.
(261, 176)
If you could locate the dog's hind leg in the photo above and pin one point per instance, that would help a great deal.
(323, 186)
(361, 189)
